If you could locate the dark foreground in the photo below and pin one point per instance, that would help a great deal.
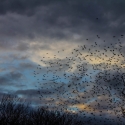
(14, 113)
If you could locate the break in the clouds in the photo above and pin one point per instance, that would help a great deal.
(55, 32)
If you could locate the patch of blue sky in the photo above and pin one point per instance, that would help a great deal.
(25, 79)
(28, 79)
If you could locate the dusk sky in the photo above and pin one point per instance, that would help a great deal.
(43, 51)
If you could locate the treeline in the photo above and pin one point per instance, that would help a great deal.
(14, 113)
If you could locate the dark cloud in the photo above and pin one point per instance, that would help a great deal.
(14, 75)
(10, 78)
(4, 81)
(22, 47)
(40, 47)
(27, 92)
(51, 20)
(21, 6)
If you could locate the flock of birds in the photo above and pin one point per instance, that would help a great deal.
(86, 84)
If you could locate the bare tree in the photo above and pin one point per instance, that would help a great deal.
(13, 112)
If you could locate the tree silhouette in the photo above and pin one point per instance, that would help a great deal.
(13, 112)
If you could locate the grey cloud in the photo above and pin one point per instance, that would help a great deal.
(34, 92)
(17, 56)
(14, 76)
(40, 47)
(53, 21)
(27, 92)
(21, 6)
(26, 65)
(22, 47)
(9, 78)
(4, 81)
